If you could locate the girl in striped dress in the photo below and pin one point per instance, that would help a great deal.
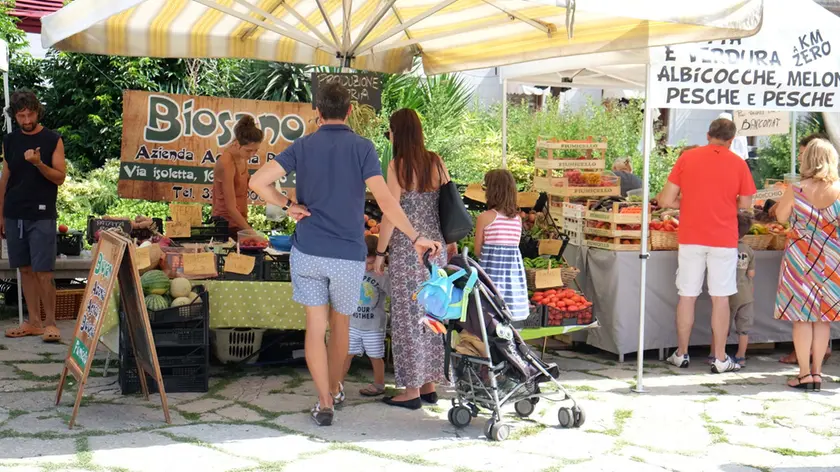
(497, 234)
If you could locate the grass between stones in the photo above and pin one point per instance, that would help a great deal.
(791, 452)
(715, 388)
(620, 417)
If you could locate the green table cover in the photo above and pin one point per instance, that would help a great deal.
(536, 333)
(266, 305)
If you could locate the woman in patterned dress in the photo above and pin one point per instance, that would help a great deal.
(414, 176)
(809, 285)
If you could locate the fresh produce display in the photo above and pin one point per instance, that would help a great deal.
(577, 178)
(180, 287)
(155, 302)
(758, 229)
(667, 223)
(372, 226)
(154, 282)
(63, 229)
(542, 262)
(528, 219)
(250, 239)
(180, 301)
(777, 228)
(565, 306)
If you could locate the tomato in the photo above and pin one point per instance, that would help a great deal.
(573, 308)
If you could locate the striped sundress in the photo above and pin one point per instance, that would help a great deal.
(809, 284)
(502, 261)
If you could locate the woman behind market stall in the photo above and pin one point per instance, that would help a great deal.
(414, 176)
(624, 170)
(230, 176)
(809, 288)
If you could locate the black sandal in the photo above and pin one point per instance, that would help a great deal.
(803, 385)
(817, 385)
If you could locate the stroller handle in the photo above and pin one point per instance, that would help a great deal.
(426, 262)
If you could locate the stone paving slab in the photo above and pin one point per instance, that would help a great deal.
(153, 452)
(36, 451)
(252, 441)
(353, 460)
(42, 370)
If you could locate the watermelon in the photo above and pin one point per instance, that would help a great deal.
(154, 282)
(155, 303)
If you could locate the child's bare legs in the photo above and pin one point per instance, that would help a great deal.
(743, 341)
(378, 372)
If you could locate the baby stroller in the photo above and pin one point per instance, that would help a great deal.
(508, 371)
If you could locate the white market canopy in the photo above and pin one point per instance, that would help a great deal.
(791, 64)
(386, 35)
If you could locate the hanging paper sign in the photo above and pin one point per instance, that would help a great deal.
(548, 278)
(239, 263)
(177, 229)
(144, 259)
(201, 263)
(187, 213)
(550, 247)
(761, 122)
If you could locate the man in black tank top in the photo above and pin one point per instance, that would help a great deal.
(29, 183)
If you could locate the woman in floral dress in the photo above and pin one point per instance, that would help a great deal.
(809, 285)
(414, 176)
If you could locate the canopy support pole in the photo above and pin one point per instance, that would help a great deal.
(793, 144)
(504, 123)
(643, 252)
(9, 130)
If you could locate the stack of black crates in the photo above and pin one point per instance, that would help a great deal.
(267, 268)
(182, 340)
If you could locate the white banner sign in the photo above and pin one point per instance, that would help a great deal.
(761, 122)
(797, 71)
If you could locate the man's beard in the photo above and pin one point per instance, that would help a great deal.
(29, 127)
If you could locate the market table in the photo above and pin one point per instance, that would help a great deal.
(611, 281)
(66, 267)
(265, 305)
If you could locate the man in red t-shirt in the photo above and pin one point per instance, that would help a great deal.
(708, 184)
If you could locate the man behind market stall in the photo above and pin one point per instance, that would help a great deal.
(708, 184)
(34, 169)
(333, 166)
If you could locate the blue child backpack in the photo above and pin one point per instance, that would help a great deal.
(441, 299)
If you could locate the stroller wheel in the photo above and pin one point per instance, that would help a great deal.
(579, 415)
(460, 416)
(565, 417)
(524, 408)
(499, 431)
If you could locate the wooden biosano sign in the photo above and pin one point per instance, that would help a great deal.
(170, 143)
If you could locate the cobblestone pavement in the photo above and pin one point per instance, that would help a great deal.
(253, 420)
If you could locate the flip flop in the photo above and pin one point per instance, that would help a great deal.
(25, 329)
(372, 390)
(51, 335)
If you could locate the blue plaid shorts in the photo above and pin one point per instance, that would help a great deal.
(318, 281)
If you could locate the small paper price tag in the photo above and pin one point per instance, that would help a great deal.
(550, 247)
(202, 263)
(177, 229)
(548, 278)
(143, 258)
(239, 263)
(190, 214)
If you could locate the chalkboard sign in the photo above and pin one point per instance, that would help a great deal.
(366, 89)
(113, 262)
(103, 224)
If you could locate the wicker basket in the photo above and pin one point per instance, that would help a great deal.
(778, 242)
(67, 303)
(758, 242)
(567, 274)
(664, 241)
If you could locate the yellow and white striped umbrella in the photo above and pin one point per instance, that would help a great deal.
(385, 35)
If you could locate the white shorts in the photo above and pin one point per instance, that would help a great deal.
(721, 262)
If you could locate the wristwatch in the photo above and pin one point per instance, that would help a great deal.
(288, 204)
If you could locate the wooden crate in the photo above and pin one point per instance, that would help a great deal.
(560, 187)
(552, 158)
(613, 232)
(614, 244)
(615, 216)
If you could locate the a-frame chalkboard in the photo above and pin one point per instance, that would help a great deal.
(114, 261)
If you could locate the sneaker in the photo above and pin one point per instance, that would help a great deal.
(679, 361)
(322, 417)
(728, 365)
(339, 397)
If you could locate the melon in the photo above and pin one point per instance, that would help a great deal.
(180, 301)
(154, 282)
(194, 297)
(180, 287)
(156, 302)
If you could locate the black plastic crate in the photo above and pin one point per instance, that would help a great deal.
(179, 379)
(536, 316)
(192, 334)
(256, 273)
(167, 356)
(276, 268)
(69, 244)
(195, 311)
(216, 230)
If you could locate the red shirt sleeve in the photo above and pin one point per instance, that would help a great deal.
(747, 183)
(676, 173)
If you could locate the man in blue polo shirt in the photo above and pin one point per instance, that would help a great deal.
(333, 167)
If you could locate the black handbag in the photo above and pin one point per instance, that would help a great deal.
(455, 221)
